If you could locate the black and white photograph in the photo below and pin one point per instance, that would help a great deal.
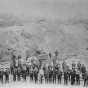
(43, 43)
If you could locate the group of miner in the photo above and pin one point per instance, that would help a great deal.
(45, 73)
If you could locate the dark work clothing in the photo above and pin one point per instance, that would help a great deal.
(14, 77)
(46, 78)
(41, 79)
(18, 77)
(1, 76)
(54, 75)
(6, 76)
(27, 70)
(31, 76)
(14, 74)
(46, 75)
(36, 77)
(18, 73)
(59, 77)
(78, 79)
(50, 76)
(85, 79)
(83, 69)
(24, 74)
(73, 75)
(36, 74)
(79, 66)
(65, 78)
(31, 71)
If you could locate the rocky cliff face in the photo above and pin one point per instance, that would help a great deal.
(69, 37)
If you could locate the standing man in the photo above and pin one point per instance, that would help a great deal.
(36, 74)
(14, 74)
(59, 75)
(41, 74)
(46, 75)
(24, 71)
(31, 71)
(73, 65)
(18, 73)
(50, 70)
(6, 73)
(83, 70)
(78, 77)
(79, 66)
(1, 75)
(50, 55)
(85, 78)
(54, 74)
(65, 77)
(73, 75)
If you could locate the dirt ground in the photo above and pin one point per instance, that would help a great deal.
(28, 84)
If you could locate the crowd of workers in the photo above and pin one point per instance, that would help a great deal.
(42, 73)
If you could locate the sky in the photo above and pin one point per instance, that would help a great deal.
(62, 9)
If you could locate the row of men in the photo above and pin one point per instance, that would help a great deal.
(51, 74)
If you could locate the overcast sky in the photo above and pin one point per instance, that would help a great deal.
(63, 9)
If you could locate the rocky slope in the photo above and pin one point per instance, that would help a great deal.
(69, 37)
